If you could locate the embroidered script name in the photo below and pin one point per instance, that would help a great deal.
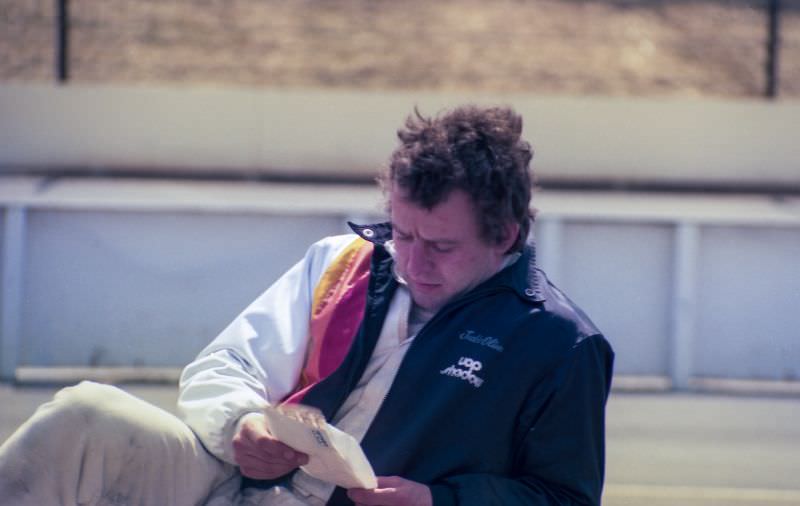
(488, 341)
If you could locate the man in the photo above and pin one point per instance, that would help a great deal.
(433, 339)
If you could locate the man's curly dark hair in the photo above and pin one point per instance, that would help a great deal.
(477, 150)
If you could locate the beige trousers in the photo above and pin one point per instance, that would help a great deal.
(96, 445)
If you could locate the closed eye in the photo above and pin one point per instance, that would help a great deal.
(442, 247)
(399, 236)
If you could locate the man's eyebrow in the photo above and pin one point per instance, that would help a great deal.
(443, 241)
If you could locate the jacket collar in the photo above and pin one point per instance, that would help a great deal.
(376, 233)
(523, 276)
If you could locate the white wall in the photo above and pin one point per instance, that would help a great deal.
(120, 288)
(748, 321)
(132, 272)
(126, 272)
(335, 134)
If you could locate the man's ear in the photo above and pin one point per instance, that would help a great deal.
(510, 236)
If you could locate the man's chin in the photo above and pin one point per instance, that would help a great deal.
(427, 300)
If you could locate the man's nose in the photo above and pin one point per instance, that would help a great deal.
(418, 264)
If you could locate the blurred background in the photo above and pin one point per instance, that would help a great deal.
(161, 162)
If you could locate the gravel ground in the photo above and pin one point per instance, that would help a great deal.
(710, 48)
(663, 449)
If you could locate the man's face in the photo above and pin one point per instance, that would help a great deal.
(440, 252)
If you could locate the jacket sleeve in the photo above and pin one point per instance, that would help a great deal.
(561, 457)
(258, 358)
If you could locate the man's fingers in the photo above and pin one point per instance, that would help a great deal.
(390, 481)
(393, 491)
(254, 429)
(256, 456)
(261, 456)
(275, 448)
(267, 447)
(374, 497)
(257, 467)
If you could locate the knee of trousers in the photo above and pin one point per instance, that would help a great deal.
(58, 434)
(108, 414)
(88, 406)
(87, 399)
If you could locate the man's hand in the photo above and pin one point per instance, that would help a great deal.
(392, 491)
(259, 455)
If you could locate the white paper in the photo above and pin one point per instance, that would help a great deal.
(334, 456)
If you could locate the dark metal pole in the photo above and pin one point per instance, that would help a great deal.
(773, 45)
(62, 41)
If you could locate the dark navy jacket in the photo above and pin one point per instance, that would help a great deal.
(500, 399)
